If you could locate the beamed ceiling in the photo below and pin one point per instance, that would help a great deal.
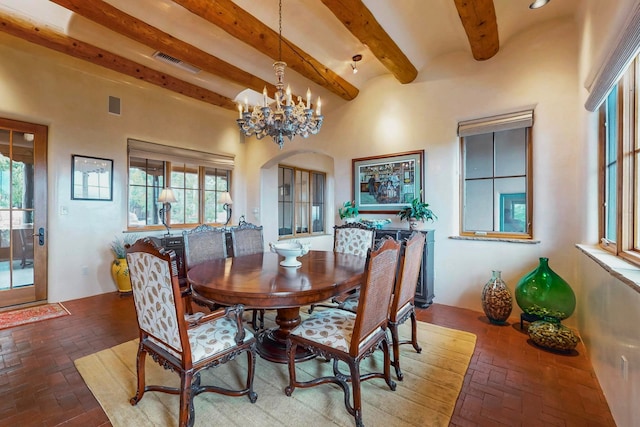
(233, 44)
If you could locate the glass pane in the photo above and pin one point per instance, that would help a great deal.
(510, 153)
(611, 151)
(317, 210)
(478, 156)
(302, 201)
(512, 205)
(478, 208)
(176, 215)
(285, 201)
(191, 206)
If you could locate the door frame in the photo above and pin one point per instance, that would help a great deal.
(39, 290)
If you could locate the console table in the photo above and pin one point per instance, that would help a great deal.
(424, 287)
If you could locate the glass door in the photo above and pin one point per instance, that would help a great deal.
(23, 239)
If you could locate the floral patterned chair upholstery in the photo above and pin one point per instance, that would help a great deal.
(185, 347)
(353, 238)
(350, 337)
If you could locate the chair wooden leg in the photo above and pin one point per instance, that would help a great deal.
(387, 365)
(414, 333)
(251, 369)
(354, 367)
(257, 319)
(186, 417)
(395, 344)
(140, 363)
(291, 352)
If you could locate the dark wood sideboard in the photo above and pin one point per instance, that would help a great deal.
(424, 287)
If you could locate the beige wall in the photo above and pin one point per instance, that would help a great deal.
(544, 68)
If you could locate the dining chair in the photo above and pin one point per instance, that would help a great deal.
(351, 337)
(203, 243)
(402, 302)
(185, 347)
(352, 238)
(247, 239)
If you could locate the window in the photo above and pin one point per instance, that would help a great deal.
(197, 179)
(496, 178)
(301, 201)
(620, 168)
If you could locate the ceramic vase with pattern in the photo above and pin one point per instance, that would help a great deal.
(120, 274)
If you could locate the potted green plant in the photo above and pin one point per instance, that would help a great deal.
(119, 266)
(417, 211)
(349, 211)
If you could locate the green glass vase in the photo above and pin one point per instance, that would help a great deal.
(544, 294)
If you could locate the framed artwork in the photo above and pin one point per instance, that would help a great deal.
(91, 178)
(386, 184)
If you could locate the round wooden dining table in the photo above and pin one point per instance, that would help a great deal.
(260, 282)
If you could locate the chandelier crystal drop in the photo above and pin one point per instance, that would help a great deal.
(289, 118)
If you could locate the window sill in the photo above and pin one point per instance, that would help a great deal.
(496, 239)
(622, 270)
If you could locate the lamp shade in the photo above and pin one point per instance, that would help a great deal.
(226, 198)
(538, 4)
(167, 196)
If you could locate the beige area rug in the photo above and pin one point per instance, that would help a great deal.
(426, 397)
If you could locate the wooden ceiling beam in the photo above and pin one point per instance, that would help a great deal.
(362, 24)
(479, 21)
(245, 27)
(57, 41)
(102, 13)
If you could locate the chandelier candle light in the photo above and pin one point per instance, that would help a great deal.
(289, 118)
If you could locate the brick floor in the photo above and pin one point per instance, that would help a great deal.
(510, 382)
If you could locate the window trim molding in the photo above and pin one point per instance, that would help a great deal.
(492, 124)
(523, 119)
(166, 153)
(623, 53)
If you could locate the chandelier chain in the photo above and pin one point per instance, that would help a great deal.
(280, 30)
(289, 118)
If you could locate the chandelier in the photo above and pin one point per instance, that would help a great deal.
(289, 118)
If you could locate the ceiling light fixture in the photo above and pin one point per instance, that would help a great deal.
(354, 66)
(289, 119)
(538, 4)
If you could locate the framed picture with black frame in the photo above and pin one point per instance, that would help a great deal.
(91, 178)
(386, 184)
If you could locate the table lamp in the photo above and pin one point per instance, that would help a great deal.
(226, 201)
(166, 198)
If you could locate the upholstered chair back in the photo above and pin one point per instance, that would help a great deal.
(354, 238)
(204, 243)
(154, 295)
(247, 239)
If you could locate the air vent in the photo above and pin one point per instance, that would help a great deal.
(114, 105)
(177, 62)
